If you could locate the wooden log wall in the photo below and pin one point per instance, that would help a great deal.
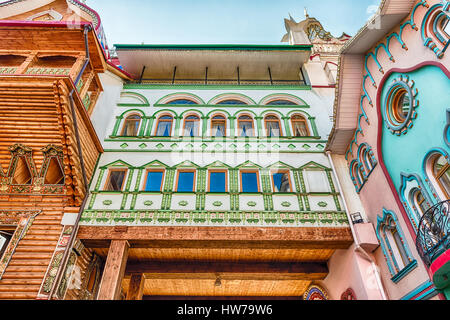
(35, 114)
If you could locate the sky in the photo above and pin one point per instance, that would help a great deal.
(222, 21)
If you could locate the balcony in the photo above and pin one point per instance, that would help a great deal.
(433, 235)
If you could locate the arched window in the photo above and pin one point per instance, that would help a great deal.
(273, 126)
(191, 126)
(357, 175)
(245, 126)
(419, 201)
(181, 101)
(299, 126)
(281, 102)
(232, 102)
(218, 126)
(131, 125)
(393, 245)
(164, 126)
(441, 173)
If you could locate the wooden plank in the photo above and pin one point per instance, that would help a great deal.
(136, 287)
(229, 270)
(113, 273)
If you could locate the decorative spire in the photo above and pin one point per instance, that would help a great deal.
(306, 13)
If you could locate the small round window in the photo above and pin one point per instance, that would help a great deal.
(399, 107)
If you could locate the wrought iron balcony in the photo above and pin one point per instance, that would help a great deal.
(433, 235)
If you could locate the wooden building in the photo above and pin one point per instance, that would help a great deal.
(50, 57)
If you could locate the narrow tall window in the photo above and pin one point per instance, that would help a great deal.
(393, 244)
(441, 172)
(191, 126)
(420, 201)
(154, 180)
(5, 238)
(131, 125)
(245, 126)
(54, 174)
(218, 126)
(299, 126)
(249, 181)
(164, 126)
(185, 181)
(281, 181)
(115, 180)
(217, 181)
(273, 126)
(22, 174)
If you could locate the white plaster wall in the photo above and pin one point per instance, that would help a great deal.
(155, 198)
(106, 104)
(211, 198)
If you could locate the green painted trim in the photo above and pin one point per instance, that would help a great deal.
(261, 139)
(231, 94)
(220, 218)
(174, 95)
(231, 106)
(213, 87)
(145, 104)
(244, 47)
(203, 151)
(117, 163)
(285, 94)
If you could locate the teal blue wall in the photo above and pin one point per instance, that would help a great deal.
(406, 153)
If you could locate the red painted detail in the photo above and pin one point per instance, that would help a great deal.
(380, 133)
(313, 56)
(329, 62)
(440, 262)
(330, 86)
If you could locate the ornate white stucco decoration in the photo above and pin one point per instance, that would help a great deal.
(52, 14)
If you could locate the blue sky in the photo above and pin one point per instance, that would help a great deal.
(221, 21)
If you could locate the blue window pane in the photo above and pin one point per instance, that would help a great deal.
(232, 101)
(249, 182)
(164, 129)
(154, 179)
(281, 182)
(217, 182)
(185, 182)
(182, 101)
(281, 103)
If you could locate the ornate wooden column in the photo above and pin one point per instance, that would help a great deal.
(114, 270)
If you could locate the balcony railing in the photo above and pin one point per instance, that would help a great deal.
(222, 82)
(433, 235)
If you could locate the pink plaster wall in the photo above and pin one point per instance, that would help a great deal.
(377, 194)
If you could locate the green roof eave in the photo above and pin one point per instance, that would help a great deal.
(243, 47)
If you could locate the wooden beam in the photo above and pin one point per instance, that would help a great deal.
(222, 237)
(229, 270)
(136, 287)
(113, 273)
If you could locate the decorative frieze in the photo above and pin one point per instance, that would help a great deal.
(217, 218)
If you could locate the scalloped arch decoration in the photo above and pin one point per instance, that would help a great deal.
(232, 96)
(132, 99)
(180, 96)
(282, 96)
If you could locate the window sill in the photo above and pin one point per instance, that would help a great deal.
(401, 274)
